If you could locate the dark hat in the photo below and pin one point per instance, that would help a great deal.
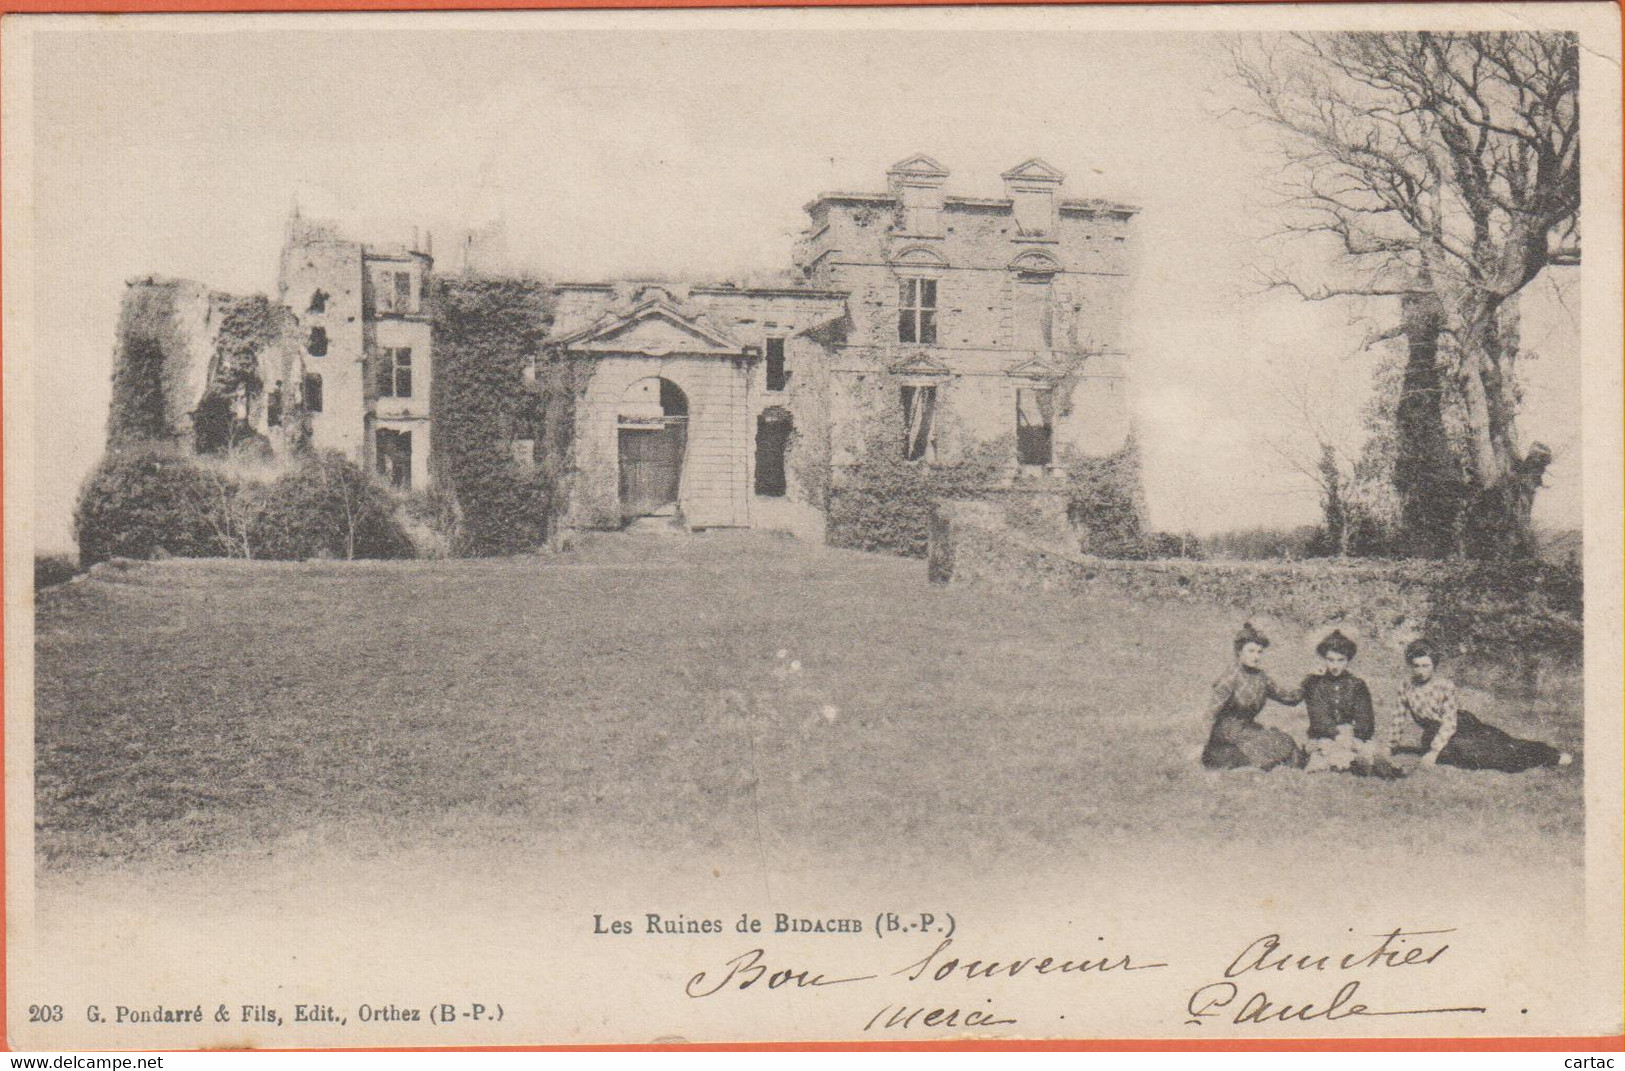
(1336, 641)
(1249, 634)
(1421, 649)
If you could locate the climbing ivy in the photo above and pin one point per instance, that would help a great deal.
(1105, 500)
(487, 331)
(148, 336)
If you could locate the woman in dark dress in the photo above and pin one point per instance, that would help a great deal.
(1342, 721)
(1237, 740)
(1454, 737)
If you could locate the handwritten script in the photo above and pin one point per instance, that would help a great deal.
(1268, 982)
(1269, 956)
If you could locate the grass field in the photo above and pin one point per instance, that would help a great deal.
(729, 688)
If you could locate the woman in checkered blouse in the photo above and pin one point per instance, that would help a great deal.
(1454, 737)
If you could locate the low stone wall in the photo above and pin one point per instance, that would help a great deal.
(973, 542)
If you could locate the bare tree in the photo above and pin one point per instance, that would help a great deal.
(1328, 455)
(1441, 169)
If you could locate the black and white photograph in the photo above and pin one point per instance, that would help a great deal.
(896, 525)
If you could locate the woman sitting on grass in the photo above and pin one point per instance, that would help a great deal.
(1342, 722)
(1237, 740)
(1452, 736)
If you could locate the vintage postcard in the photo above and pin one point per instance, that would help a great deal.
(891, 525)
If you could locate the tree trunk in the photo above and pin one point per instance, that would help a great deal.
(1427, 476)
(1504, 480)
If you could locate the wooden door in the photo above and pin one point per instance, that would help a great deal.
(651, 462)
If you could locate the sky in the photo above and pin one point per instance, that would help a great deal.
(649, 149)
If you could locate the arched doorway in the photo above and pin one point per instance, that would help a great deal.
(652, 423)
(773, 429)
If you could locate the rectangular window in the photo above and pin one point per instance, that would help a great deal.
(1033, 315)
(1035, 212)
(922, 210)
(917, 311)
(313, 394)
(394, 291)
(777, 377)
(393, 454)
(919, 433)
(395, 372)
(273, 407)
(1035, 426)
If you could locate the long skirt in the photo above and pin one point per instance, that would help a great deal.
(1239, 742)
(1479, 746)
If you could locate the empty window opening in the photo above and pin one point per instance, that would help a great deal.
(394, 291)
(318, 301)
(528, 439)
(922, 213)
(318, 342)
(394, 457)
(919, 434)
(673, 402)
(1035, 426)
(214, 424)
(777, 377)
(773, 429)
(312, 396)
(273, 406)
(1034, 320)
(1035, 212)
(395, 372)
(917, 311)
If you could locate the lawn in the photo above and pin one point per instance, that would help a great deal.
(727, 688)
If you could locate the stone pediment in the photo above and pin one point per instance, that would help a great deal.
(1035, 368)
(1034, 170)
(918, 166)
(920, 364)
(657, 329)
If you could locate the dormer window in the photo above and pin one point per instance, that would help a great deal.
(917, 311)
(1035, 212)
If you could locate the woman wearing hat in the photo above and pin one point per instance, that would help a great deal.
(1454, 737)
(1237, 740)
(1342, 723)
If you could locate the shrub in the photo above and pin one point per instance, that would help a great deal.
(887, 504)
(143, 503)
(1520, 612)
(431, 520)
(505, 511)
(1184, 545)
(325, 507)
(1106, 501)
(52, 569)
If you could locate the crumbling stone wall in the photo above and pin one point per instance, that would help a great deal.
(974, 542)
(191, 366)
(1034, 309)
(161, 360)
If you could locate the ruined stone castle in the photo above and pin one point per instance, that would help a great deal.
(932, 330)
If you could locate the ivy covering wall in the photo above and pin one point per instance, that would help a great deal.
(487, 332)
(148, 345)
(885, 503)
